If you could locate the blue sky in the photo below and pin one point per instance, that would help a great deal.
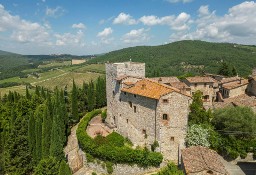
(84, 27)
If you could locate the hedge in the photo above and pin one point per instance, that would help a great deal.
(113, 150)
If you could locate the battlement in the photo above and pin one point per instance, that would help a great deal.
(126, 69)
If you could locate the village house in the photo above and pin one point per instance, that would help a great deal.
(207, 85)
(198, 160)
(145, 110)
(233, 86)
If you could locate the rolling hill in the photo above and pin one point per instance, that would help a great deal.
(187, 56)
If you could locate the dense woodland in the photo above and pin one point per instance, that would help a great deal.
(34, 127)
(186, 57)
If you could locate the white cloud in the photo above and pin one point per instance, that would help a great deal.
(22, 30)
(105, 33)
(70, 39)
(176, 1)
(136, 36)
(55, 12)
(238, 25)
(154, 20)
(181, 22)
(78, 26)
(123, 18)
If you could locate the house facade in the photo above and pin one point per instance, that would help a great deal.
(145, 110)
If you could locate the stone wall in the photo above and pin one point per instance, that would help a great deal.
(172, 132)
(114, 71)
(119, 169)
(138, 126)
(205, 88)
(252, 87)
(235, 92)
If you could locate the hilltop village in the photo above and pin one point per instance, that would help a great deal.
(156, 109)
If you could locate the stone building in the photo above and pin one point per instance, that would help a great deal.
(145, 110)
(198, 160)
(233, 86)
(207, 85)
(252, 86)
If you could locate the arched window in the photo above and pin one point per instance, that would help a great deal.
(165, 117)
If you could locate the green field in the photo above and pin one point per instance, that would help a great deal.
(56, 78)
(55, 64)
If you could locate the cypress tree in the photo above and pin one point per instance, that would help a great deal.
(56, 132)
(64, 169)
(91, 96)
(39, 118)
(46, 132)
(27, 93)
(32, 136)
(74, 103)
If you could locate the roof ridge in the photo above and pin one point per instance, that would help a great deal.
(165, 86)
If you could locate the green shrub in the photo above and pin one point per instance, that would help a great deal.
(170, 169)
(109, 166)
(128, 141)
(103, 115)
(115, 151)
(89, 158)
(115, 139)
(154, 145)
(93, 173)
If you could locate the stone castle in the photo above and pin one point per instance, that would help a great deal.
(145, 110)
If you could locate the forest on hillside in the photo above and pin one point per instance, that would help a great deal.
(186, 57)
(34, 127)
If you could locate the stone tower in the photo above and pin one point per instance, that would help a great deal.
(114, 73)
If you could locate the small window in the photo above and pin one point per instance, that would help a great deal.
(165, 116)
(209, 172)
(204, 84)
(124, 93)
(134, 108)
(144, 131)
(165, 100)
(134, 95)
(172, 139)
(113, 93)
(130, 104)
(127, 120)
(195, 84)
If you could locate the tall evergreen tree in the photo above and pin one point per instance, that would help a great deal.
(32, 136)
(224, 69)
(17, 154)
(74, 103)
(233, 71)
(64, 169)
(91, 96)
(46, 132)
(27, 93)
(39, 118)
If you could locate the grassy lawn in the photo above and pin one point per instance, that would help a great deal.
(31, 70)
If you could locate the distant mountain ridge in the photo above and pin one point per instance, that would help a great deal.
(7, 53)
(188, 56)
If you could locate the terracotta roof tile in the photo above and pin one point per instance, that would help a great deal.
(179, 85)
(128, 83)
(229, 79)
(198, 158)
(151, 89)
(199, 79)
(235, 84)
(165, 80)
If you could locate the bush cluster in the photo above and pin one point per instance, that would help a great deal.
(112, 147)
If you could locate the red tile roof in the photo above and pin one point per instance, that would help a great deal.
(235, 84)
(197, 159)
(165, 80)
(150, 89)
(229, 79)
